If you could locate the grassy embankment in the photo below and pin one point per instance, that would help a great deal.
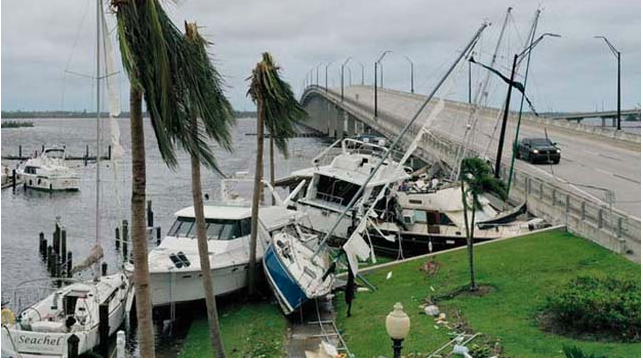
(520, 273)
(248, 330)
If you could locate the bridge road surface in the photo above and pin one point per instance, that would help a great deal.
(587, 160)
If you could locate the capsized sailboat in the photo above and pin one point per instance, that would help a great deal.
(296, 272)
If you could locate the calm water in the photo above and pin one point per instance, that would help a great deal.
(26, 213)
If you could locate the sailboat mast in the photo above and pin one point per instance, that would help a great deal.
(98, 132)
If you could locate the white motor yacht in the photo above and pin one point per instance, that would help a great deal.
(48, 171)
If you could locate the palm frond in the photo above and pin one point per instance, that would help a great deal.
(479, 178)
(178, 81)
(281, 109)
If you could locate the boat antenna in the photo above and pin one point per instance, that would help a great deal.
(399, 137)
(99, 8)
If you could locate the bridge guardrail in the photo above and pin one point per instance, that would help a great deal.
(529, 118)
(584, 216)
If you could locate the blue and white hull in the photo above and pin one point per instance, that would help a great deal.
(286, 289)
(292, 274)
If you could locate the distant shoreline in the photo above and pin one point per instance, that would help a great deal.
(84, 114)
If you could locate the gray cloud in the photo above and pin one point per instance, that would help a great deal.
(575, 72)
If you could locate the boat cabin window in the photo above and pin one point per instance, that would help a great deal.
(335, 190)
(216, 229)
(31, 169)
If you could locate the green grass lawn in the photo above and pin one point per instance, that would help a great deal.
(248, 329)
(522, 271)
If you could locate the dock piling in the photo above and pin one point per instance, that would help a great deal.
(72, 346)
(86, 154)
(57, 239)
(13, 179)
(125, 240)
(158, 236)
(69, 264)
(63, 245)
(19, 150)
(150, 214)
(42, 242)
(103, 269)
(103, 328)
(117, 234)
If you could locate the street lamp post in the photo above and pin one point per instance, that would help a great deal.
(503, 127)
(317, 73)
(342, 75)
(362, 65)
(326, 72)
(618, 80)
(397, 327)
(411, 63)
(375, 80)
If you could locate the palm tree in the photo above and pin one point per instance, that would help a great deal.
(207, 100)
(178, 83)
(476, 178)
(278, 109)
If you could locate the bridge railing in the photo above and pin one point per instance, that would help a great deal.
(556, 203)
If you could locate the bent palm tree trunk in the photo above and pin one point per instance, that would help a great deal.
(139, 236)
(252, 261)
(204, 256)
(272, 163)
(469, 233)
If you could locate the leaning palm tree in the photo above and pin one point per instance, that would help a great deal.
(278, 109)
(476, 178)
(167, 70)
(207, 102)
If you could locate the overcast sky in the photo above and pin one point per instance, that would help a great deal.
(40, 39)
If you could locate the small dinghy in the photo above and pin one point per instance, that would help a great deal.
(67, 323)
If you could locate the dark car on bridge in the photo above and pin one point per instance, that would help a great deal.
(538, 150)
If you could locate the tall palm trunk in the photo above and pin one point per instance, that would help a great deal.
(139, 235)
(473, 286)
(272, 163)
(469, 233)
(204, 256)
(255, 199)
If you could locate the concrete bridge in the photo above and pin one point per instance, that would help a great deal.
(595, 190)
(603, 115)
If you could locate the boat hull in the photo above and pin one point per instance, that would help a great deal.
(184, 286)
(40, 182)
(23, 343)
(418, 244)
(289, 294)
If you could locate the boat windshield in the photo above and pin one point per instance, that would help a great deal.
(335, 190)
(55, 153)
(216, 229)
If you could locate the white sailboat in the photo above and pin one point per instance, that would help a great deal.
(74, 319)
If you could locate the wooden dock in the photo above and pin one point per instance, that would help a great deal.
(87, 157)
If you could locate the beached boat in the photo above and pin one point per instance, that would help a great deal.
(419, 221)
(67, 323)
(48, 171)
(337, 177)
(175, 269)
(294, 269)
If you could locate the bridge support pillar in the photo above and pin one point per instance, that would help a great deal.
(603, 122)
(350, 123)
(339, 124)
